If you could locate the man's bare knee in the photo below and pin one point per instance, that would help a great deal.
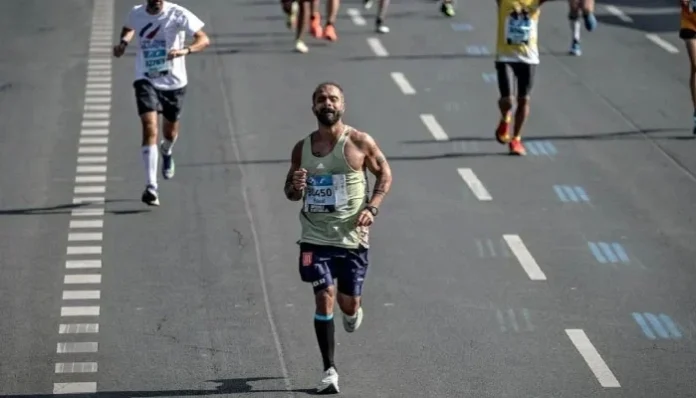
(170, 129)
(324, 300)
(149, 125)
(349, 304)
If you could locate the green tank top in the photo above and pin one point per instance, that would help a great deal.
(335, 195)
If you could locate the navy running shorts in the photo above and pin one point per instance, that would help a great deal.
(323, 266)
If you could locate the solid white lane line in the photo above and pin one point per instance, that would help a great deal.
(85, 236)
(79, 311)
(81, 295)
(80, 279)
(89, 179)
(75, 388)
(76, 367)
(82, 250)
(77, 224)
(78, 328)
(73, 348)
(87, 212)
(83, 264)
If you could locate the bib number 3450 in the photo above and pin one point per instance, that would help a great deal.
(325, 193)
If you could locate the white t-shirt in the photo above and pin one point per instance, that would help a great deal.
(157, 35)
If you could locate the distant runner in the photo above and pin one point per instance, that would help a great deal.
(688, 34)
(290, 8)
(160, 78)
(587, 9)
(311, 8)
(447, 8)
(380, 27)
(517, 54)
(328, 173)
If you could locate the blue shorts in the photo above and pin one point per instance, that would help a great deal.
(323, 265)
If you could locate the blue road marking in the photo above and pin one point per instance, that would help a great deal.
(597, 253)
(657, 325)
(582, 194)
(462, 27)
(477, 50)
(609, 252)
(490, 77)
(620, 252)
(606, 249)
(539, 148)
(568, 193)
(670, 325)
(571, 193)
(644, 326)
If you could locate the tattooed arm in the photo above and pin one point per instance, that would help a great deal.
(376, 162)
(295, 179)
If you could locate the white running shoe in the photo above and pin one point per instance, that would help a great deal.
(329, 382)
(352, 323)
(301, 47)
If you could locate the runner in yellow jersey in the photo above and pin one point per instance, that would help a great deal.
(687, 32)
(517, 54)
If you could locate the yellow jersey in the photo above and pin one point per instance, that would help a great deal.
(518, 22)
(688, 16)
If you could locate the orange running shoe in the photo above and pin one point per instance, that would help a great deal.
(315, 26)
(516, 147)
(330, 33)
(502, 132)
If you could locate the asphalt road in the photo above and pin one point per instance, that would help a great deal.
(201, 296)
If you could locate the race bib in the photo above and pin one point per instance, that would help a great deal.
(155, 58)
(325, 193)
(519, 30)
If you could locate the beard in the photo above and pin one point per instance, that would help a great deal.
(154, 5)
(328, 117)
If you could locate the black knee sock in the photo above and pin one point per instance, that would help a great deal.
(324, 327)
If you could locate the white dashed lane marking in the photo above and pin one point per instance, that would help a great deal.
(377, 47)
(403, 83)
(434, 127)
(474, 184)
(618, 13)
(356, 17)
(664, 44)
(589, 353)
(88, 219)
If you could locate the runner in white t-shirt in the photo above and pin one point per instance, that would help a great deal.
(160, 77)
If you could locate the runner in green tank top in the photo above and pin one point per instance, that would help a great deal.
(328, 174)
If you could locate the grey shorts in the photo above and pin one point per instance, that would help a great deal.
(166, 102)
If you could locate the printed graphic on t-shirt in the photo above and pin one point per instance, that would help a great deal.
(154, 51)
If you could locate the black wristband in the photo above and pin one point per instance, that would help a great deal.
(124, 43)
